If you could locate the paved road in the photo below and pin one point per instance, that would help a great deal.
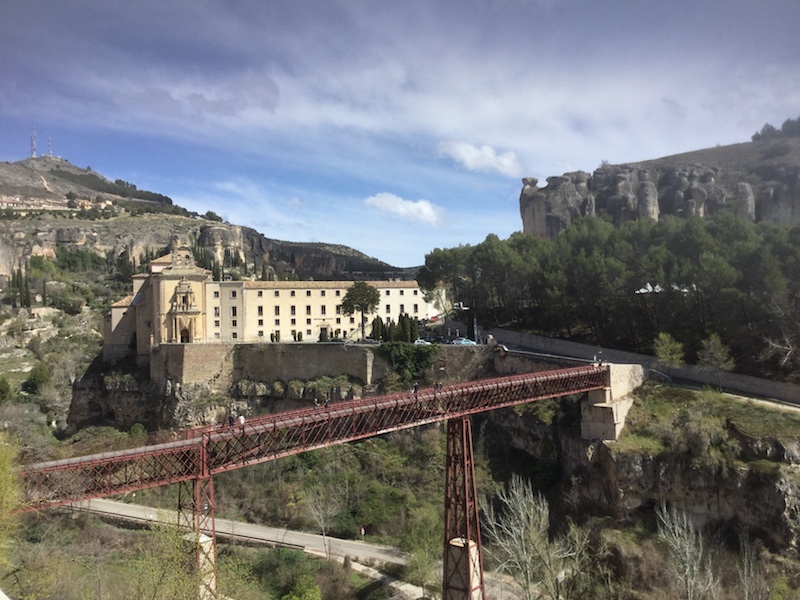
(361, 553)
(358, 551)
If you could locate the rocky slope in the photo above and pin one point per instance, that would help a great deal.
(760, 493)
(39, 217)
(757, 180)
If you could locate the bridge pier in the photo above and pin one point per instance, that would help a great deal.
(196, 513)
(463, 562)
(604, 411)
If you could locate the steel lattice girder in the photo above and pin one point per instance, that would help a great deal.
(273, 436)
(463, 552)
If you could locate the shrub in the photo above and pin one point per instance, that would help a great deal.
(37, 378)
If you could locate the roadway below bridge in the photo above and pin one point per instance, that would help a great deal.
(362, 554)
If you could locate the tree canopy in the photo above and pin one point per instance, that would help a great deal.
(623, 286)
(363, 298)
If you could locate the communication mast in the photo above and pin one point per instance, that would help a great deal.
(33, 143)
(49, 147)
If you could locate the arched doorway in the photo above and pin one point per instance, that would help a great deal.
(185, 339)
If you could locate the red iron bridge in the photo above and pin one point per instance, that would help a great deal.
(201, 453)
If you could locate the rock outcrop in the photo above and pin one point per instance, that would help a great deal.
(761, 495)
(758, 181)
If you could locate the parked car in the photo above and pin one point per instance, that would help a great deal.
(421, 342)
(462, 341)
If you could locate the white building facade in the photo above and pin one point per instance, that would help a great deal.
(178, 302)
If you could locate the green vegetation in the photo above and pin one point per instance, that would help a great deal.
(789, 129)
(410, 362)
(719, 279)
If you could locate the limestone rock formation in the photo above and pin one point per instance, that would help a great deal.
(757, 180)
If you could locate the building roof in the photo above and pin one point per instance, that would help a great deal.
(126, 301)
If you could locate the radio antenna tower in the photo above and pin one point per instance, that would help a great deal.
(49, 147)
(33, 143)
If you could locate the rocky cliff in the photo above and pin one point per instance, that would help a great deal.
(760, 493)
(758, 180)
(47, 202)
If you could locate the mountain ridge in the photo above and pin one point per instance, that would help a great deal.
(47, 201)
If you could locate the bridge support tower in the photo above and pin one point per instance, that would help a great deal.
(463, 556)
(196, 514)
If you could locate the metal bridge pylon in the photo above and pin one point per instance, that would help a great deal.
(463, 554)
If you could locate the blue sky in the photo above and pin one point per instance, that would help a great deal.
(391, 127)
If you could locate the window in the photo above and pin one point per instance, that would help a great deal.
(233, 293)
(338, 320)
(216, 293)
(277, 322)
(308, 292)
(233, 323)
(260, 334)
(308, 310)
(322, 308)
(216, 311)
(294, 321)
(234, 335)
(416, 308)
(338, 309)
(260, 311)
(277, 293)
(322, 293)
(308, 321)
(388, 308)
(292, 310)
(308, 332)
(277, 311)
(338, 292)
(402, 308)
(260, 293)
(401, 292)
(216, 323)
(291, 293)
(261, 322)
(387, 292)
(216, 335)
(415, 292)
(233, 311)
(352, 320)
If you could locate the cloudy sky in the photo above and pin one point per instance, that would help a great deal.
(391, 127)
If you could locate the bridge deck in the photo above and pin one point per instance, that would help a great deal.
(209, 450)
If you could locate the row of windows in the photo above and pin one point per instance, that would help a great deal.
(337, 293)
(323, 310)
(235, 322)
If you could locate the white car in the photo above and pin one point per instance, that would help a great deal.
(421, 342)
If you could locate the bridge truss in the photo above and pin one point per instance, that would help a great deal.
(203, 452)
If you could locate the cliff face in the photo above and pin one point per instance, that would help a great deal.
(22, 238)
(47, 202)
(759, 181)
(598, 475)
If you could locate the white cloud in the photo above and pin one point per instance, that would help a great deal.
(484, 159)
(419, 211)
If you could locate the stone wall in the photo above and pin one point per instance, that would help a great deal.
(219, 366)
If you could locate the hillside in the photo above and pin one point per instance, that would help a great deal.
(757, 180)
(47, 203)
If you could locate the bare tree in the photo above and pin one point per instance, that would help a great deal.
(751, 570)
(691, 562)
(323, 501)
(562, 568)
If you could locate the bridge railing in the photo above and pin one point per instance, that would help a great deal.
(269, 437)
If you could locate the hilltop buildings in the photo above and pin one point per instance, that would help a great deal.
(177, 302)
